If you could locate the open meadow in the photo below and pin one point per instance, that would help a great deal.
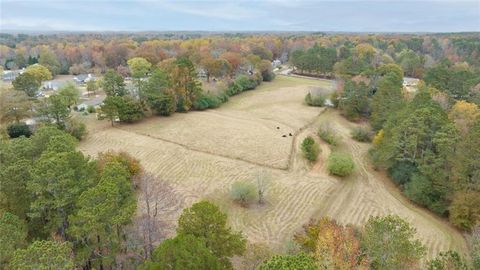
(259, 132)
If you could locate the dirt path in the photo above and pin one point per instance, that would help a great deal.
(368, 193)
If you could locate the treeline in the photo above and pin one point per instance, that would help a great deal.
(453, 74)
(432, 154)
(96, 53)
(316, 60)
(171, 87)
(205, 242)
(427, 140)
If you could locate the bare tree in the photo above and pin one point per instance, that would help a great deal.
(157, 199)
(262, 182)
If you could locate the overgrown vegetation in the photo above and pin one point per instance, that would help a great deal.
(327, 134)
(310, 149)
(361, 134)
(243, 192)
(315, 100)
(340, 164)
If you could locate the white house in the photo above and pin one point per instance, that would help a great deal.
(84, 78)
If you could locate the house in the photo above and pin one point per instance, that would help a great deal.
(84, 78)
(95, 102)
(276, 63)
(410, 84)
(10, 75)
(201, 73)
(53, 84)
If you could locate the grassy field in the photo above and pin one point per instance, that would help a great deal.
(203, 153)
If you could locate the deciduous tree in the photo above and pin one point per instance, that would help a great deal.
(390, 243)
(27, 83)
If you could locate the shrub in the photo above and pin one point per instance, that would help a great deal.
(223, 97)
(207, 101)
(334, 99)
(91, 109)
(448, 260)
(327, 135)
(257, 77)
(340, 164)
(268, 76)
(128, 162)
(18, 129)
(245, 83)
(243, 193)
(233, 89)
(314, 100)
(76, 129)
(310, 149)
(361, 134)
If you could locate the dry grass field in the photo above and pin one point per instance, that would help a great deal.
(202, 153)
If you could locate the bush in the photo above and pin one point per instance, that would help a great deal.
(245, 83)
(233, 89)
(334, 99)
(18, 129)
(310, 149)
(448, 260)
(76, 129)
(223, 97)
(327, 135)
(206, 102)
(243, 193)
(340, 164)
(312, 100)
(91, 109)
(361, 134)
(268, 76)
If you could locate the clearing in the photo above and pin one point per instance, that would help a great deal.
(203, 153)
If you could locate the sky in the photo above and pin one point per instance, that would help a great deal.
(240, 15)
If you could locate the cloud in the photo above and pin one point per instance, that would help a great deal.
(287, 15)
(45, 24)
(210, 9)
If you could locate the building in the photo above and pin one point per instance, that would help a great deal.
(276, 63)
(53, 84)
(410, 84)
(95, 102)
(84, 78)
(10, 75)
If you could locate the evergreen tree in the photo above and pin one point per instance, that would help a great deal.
(205, 221)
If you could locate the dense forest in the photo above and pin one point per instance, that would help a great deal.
(60, 209)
